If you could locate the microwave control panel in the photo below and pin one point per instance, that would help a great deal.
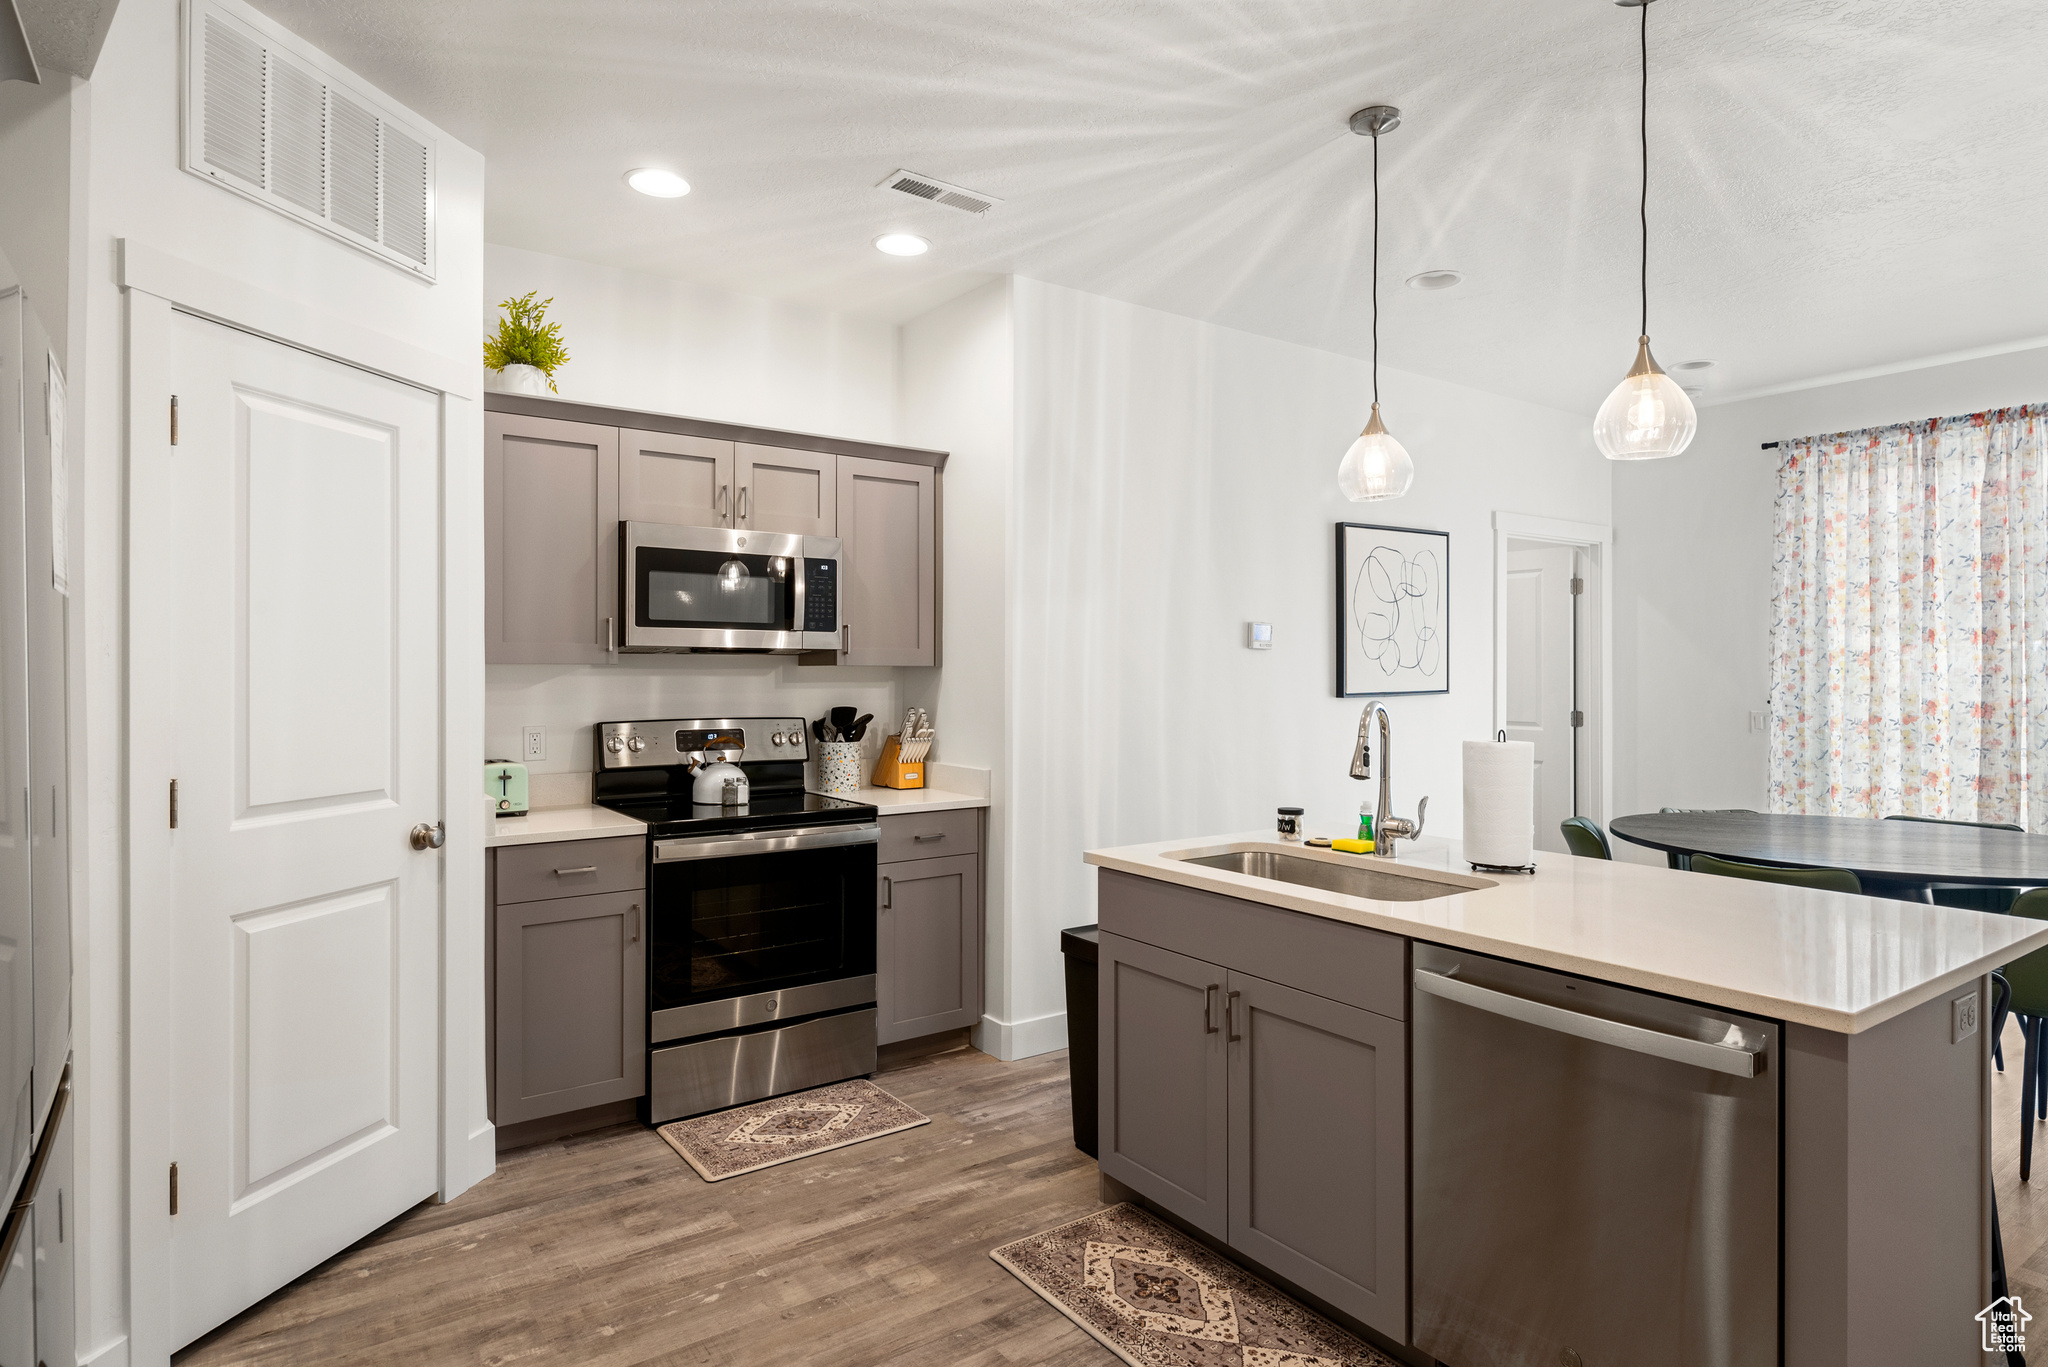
(821, 595)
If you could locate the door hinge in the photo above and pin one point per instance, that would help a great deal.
(174, 1188)
(174, 419)
(1578, 717)
(174, 804)
(1578, 586)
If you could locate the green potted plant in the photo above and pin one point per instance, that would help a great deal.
(527, 349)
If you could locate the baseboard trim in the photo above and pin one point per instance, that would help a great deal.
(524, 1133)
(113, 1353)
(1012, 1040)
(907, 1051)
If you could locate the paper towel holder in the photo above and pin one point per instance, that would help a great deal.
(1500, 737)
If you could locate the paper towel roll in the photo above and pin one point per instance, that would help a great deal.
(1500, 802)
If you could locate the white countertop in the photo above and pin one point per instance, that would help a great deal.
(559, 823)
(1816, 958)
(917, 799)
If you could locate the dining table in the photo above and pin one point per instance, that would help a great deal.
(1890, 858)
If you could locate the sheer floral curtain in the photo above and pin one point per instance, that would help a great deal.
(1909, 670)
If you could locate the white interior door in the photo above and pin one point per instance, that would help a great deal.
(17, 965)
(304, 926)
(1539, 677)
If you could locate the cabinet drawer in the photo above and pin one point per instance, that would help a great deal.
(928, 835)
(571, 868)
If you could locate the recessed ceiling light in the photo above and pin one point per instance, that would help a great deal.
(1434, 280)
(1694, 365)
(652, 180)
(902, 244)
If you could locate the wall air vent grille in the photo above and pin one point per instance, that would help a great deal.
(939, 192)
(274, 120)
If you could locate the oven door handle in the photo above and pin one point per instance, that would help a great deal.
(765, 842)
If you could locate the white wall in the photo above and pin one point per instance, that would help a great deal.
(1692, 615)
(136, 190)
(641, 341)
(956, 394)
(1173, 481)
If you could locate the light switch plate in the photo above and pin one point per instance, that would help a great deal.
(536, 744)
(1759, 722)
(1962, 1018)
(1258, 635)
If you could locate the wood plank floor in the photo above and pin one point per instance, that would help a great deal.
(606, 1250)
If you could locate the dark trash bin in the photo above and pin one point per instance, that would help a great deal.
(1079, 948)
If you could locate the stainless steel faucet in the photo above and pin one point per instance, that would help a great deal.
(1386, 829)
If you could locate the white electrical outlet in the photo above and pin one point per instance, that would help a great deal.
(1962, 1018)
(1759, 722)
(536, 743)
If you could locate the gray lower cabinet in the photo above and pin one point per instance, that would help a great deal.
(1269, 1117)
(928, 947)
(551, 540)
(568, 992)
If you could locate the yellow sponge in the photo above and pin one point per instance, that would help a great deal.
(1352, 846)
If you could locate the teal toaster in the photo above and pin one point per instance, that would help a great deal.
(505, 784)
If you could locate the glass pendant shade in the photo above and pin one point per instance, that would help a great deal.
(1376, 466)
(731, 575)
(1647, 416)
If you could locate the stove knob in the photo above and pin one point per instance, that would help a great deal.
(775, 739)
(636, 745)
(615, 743)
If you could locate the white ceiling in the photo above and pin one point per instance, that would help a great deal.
(1835, 184)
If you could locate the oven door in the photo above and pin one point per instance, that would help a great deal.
(709, 588)
(758, 926)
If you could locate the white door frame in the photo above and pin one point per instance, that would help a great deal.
(1598, 541)
(154, 284)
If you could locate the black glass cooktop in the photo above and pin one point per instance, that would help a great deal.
(668, 815)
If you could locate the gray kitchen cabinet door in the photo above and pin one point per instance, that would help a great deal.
(785, 490)
(1318, 1147)
(571, 1003)
(1163, 1079)
(928, 947)
(889, 562)
(551, 540)
(667, 477)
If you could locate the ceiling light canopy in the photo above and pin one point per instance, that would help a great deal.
(1376, 466)
(1648, 415)
(652, 180)
(1435, 280)
(902, 244)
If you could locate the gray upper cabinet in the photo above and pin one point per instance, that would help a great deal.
(551, 540)
(1318, 1139)
(570, 1004)
(889, 575)
(1164, 1079)
(784, 490)
(928, 946)
(681, 480)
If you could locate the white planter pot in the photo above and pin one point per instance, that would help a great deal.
(517, 379)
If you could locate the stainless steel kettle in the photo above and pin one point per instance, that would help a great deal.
(719, 781)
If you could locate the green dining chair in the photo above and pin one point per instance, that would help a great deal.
(1825, 880)
(1684, 861)
(1970, 896)
(1584, 838)
(2028, 976)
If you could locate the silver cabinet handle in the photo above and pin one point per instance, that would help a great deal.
(1230, 1034)
(564, 873)
(611, 636)
(744, 501)
(723, 501)
(921, 839)
(845, 638)
(888, 893)
(1722, 1058)
(1208, 996)
(425, 837)
(636, 923)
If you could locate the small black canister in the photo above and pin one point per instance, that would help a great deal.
(1290, 823)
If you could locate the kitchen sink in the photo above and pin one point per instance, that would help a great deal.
(1353, 879)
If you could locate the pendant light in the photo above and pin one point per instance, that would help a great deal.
(1376, 466)
(1647, 415)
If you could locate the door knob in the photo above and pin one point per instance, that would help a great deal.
(425, 837)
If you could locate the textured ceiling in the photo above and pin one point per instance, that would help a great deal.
(1835, 184)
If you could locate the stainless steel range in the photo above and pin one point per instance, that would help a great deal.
(761, 911)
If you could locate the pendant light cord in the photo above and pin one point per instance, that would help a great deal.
(1376, 268)
(1643, 207)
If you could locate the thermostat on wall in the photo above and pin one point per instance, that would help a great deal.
(1258, 635)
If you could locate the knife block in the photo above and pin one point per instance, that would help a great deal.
(892, 772)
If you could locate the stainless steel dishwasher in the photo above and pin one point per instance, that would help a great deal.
(1596, 1172)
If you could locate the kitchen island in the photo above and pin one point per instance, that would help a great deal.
(1603, 1113)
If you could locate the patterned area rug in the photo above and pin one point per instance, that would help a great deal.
(1156, 1298)
(786, 1128)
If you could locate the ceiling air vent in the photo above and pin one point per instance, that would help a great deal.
(939, 192)
(274, 120)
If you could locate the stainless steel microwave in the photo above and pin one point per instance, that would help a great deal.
(719, 588)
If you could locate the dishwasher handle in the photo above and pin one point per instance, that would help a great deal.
(1722, 1058)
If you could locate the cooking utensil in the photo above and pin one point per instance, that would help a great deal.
(860, 726)
(842, 719)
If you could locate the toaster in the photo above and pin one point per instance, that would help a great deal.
(505, 785)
